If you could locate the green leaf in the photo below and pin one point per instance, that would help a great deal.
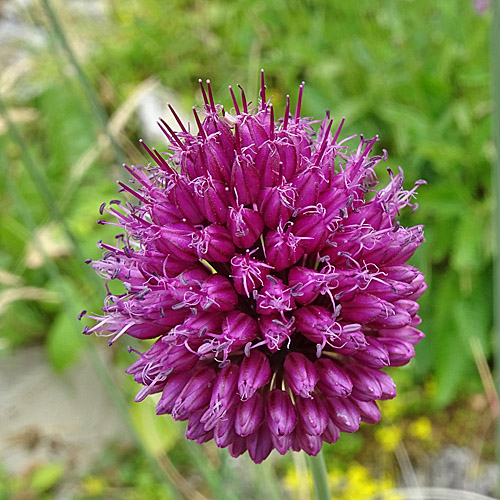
(64, 341)
(158, 435)
(46, 477)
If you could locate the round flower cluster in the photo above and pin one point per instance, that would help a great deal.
(272, 275)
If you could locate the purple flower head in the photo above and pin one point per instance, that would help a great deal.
(270, 271)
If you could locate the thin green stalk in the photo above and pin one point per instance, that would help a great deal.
(92, 97)
(495, 70)
(317, 466)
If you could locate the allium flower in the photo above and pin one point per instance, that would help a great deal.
(272, 275)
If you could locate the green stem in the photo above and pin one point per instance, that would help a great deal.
(318, 469)
(495, 88)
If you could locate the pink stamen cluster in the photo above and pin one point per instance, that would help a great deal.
(272, 275)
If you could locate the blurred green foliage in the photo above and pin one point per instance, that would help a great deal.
(414, 72)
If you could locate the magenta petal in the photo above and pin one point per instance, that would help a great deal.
(255, 371)
(281, 416)
(300, 374)
(333, 381)
(259, 444)
(249, 415)
(194, 395)
(344, 414)
(312, 415)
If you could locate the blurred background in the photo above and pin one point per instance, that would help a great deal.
(82, 80)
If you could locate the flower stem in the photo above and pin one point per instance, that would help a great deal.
(495, 71)
(318, 469)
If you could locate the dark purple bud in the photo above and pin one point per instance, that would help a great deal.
(197, 325)
(364, 308)
(410, 306)
(195, 395)
(217, 163)
(175, 239)
(245, 180)
(307, 284)
(224, 433)
(238, 446)
(405, 334)
(343, 413)
(213, 243)
(308, 184)
(275, 331)
(282, 443)
(213, 198)
(311, 444)
(419, 291)
(276, 204)
(317, 323)
(219, 294)
(396, 318)
(248, 274)
(249, 415)
(165, 213)
(333, 381)
(370, 384)
(389, 290)
(245, 226)
(195, 430)
(223, 136)
(274, 297)
(174, 386)
(399, 352)
(268, 165)
(311, 227)
(288, 156)
(331, 434)
(404, 273)
(312, 415)
(224, 394)
(239, 329)
(373, 354)
(259, 444)
(282, 248)
(300, 375)
(280, 412)
(184, 199)
(179, 358)
(368, 410)
(253, 132)
(255, 372)
(415, 321)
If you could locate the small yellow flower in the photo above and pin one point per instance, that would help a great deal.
(388, 437)
(94, 485)
(391, 409)
(421, 428)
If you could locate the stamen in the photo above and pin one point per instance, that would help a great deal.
(262, 90)
(243, 99)
(271, 123)
(177, 119)
(132, 192)
(200, 81)
(299, 101)
(211, 97)
(287, 113)
(164, 126)
(198, 123)
(235, 102)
